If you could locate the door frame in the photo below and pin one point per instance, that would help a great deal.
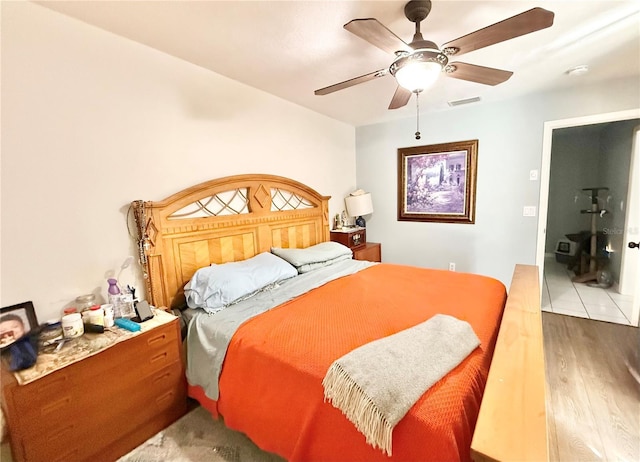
(545, 169)
(629, 270)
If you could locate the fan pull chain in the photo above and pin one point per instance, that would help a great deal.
(417, 115)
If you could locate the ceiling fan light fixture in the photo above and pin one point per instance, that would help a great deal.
(418, 76)
(419, 70)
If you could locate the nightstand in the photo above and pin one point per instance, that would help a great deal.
(103, 405)
(351, 237)
(371, 251)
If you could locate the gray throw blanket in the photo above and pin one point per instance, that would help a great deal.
(376, 384)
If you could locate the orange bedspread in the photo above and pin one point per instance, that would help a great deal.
(270, 387)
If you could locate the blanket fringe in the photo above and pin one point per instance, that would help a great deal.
(345, 394)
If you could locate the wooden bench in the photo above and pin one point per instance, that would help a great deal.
(512, 422)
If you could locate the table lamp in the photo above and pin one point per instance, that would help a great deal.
(359, 203)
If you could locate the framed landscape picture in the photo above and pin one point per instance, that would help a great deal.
(437, 183)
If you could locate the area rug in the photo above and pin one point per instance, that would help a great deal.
(198, 437)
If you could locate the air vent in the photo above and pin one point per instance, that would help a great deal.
(460, 102)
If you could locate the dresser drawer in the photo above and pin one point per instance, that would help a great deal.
(141, 355)
(102, 399)
(370, 251)
(60, 437)
(46, 395)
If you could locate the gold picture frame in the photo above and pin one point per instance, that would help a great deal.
(437, 182)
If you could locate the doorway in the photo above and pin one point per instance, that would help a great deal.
(626, 229)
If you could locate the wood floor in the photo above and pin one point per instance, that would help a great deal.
(593, 402)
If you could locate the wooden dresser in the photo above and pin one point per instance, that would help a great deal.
(100, 407)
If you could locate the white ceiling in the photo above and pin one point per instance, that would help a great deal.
(291, 48)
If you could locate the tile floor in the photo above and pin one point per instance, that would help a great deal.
(560, 295)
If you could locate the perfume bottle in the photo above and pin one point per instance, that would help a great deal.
(115, 297)
(113, 288)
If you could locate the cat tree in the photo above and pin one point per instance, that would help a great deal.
(592, 256)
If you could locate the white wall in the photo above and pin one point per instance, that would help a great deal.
(510, 135)
(92, 121)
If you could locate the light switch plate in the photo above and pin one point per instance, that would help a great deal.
(529, 211)
(533, 175)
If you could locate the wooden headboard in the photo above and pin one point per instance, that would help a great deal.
(223, 220)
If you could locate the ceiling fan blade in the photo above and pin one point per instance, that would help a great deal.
(376, 34)
(521, 24)
(400, 98)
(351, 82)
(478, 74)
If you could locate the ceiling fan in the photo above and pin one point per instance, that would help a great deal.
(418, 64)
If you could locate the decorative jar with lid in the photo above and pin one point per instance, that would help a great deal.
(84, 302)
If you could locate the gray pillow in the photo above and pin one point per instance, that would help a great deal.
(319, 253)
(320, 264)
(217, 286)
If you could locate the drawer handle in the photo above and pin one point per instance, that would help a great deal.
(54, 406)
(72, 455)
(159, 357)
(60, 432)
(156, 339)
(55, 382)
(164, 398)
(166, 375)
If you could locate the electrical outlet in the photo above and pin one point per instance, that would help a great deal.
(452, 266)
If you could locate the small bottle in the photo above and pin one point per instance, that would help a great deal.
(109, 314)
(113, 287)
(96, 315)
(126, 305)
(114, 296)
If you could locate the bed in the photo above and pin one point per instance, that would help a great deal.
(269, 384)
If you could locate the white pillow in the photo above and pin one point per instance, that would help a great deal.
(319, 253)
(321, 264)
(217, 286)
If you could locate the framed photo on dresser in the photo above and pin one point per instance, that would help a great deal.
(16, 321)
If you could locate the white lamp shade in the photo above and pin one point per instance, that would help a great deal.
(359, 205)
(418, 75)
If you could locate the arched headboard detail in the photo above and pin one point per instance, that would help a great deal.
(223, 220)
